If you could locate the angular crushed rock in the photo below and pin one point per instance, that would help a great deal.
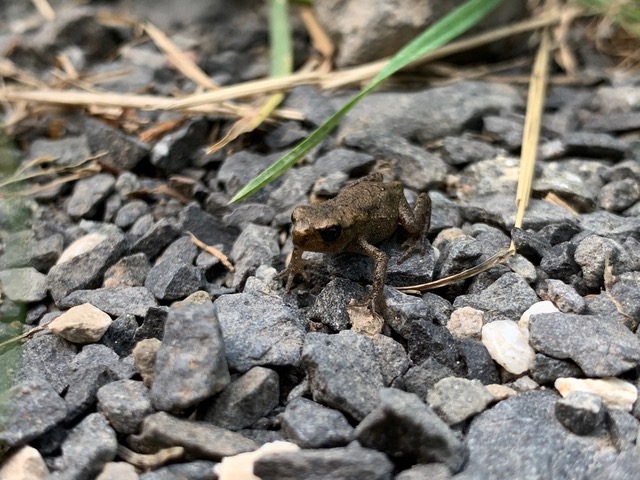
(581, 412)
(200, 439)
(310, 425)
(29, 409)
(190, 363)
(324, 464)
(457, 399)
(23, 285)
(599, 345)
(343, 371)
(402, 426)
(259, 331)
(114, 301)
(245, 400)
(124, 403)
(49, 357)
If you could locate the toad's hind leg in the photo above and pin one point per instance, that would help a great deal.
(417, 223)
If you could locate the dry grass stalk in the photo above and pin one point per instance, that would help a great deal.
(212, 251)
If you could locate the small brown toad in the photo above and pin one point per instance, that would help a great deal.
(363, 214)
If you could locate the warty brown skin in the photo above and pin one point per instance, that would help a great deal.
(363, 214)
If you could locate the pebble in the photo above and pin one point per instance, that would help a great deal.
(90, 445)
(115, 301)
(343, 371)
(599, 345)
(34, 400)
(457, 399)
(591, 254)
(124, 152)
(342, 160)
(245, 400)
(480, 365)
(259, 330)
(129, 271)
(330, 305)
(173, 152)
(118, 471)
(190, 363)
(256, 245)
(310, 425)
(172, 280)
(466, 322)
(614, 392)
(49, 357)
(25, 463)
(421, 378)
(24, 285)
(432, 471)
(82, 324)
(124, 403)
(619, 195)
(581, 412)
(564, 297)
(201, 440)
(324, 464)
(546, 370)
(508, 345)
(500, 392)
(155, 237)
(92, 254)
(507, 297)
(545, 306)
(401, 425)
(89, 194)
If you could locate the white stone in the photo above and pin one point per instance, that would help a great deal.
(466, 322)
(508, 345)
(538, 307)
(240, 467)
(613, 391)
(118, 471)
(81, 324)
(25, 463)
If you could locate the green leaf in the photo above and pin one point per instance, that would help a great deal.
(447, 28)
(280, 38)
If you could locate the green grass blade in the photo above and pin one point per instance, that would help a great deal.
(452, 25)
(280, 38)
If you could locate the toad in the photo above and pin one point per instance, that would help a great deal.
(363, 214)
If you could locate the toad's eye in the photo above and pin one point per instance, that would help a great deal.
(331, 234)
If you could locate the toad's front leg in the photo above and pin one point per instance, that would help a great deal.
(381, 260)
(296, 266)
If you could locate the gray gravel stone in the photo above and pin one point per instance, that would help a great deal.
(89, 194)
(619, 195)
(392, 358)
(324, 464)
(201, 440)
(245, 400)
(464, 149)
(343, 160)
(432, 471)
(90, 445)
(190, 363)
(419, 379)
(156, 238)
(613, 122)
(343, 371)
(86, 270)
(521, 438)
(499, 209)
(130, 212)
(404, 427)
(594, 145)
(24, 249)
(83, 385)
(599, 345)
(457, 399)
(27, 410)
(129, 271)
(414, 166)
(67, 151)
(23, 285)
(296, 183)
(451, 108)
(181, 250)
(591, 254)
(256, 245)
(559, 263)
(507, 297)
(312, 102)
(546, 370)
(114, 301)
(49, 357)
(581, 412)
(173, 280)
(330, 306)
(123, 151)
(197, 470)
(124, 403)
(564, 297)
(173, 152)
(119, 337)
(311, 425)
(480, 365)
(505, 128)
(259, 330)
(96, 355)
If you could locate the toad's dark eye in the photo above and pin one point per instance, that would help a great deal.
(331, 234)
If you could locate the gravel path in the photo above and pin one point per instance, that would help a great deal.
(156, 362)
